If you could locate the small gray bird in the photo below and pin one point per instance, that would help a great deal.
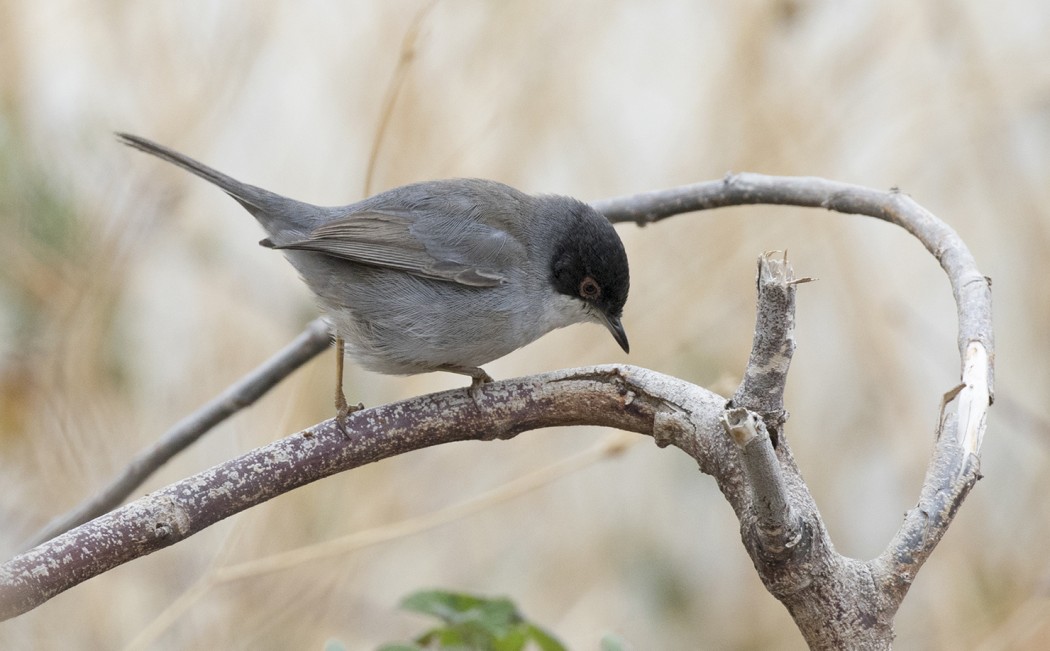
(440, 275)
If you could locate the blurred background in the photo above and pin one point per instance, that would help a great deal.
(131, 293)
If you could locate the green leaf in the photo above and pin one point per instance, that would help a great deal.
(514, 640)
(496, 615)
(544, 640)
(470, 636)
(473, 623)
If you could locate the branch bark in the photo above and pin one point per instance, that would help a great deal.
(633, 399)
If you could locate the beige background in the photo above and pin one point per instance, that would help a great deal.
(131, 292)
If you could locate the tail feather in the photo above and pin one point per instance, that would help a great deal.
(274, 212)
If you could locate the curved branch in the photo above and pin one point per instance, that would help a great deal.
(972, 289)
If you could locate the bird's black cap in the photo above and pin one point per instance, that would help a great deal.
(590, 264)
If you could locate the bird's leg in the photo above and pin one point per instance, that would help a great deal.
(342, 409)
(477, 374)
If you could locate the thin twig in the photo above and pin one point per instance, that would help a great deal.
(311, 342)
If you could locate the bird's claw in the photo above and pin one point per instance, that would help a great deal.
(343, 411)
(477, 381)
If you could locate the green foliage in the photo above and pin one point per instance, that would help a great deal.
(472, 623)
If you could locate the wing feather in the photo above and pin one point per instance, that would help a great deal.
(459, 250)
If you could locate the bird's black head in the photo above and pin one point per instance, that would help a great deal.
(590, 264)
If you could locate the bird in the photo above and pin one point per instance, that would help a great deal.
(442, 275)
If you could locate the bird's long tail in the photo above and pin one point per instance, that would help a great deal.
(275, 212)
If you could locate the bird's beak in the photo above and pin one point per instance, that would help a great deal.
(616, 328)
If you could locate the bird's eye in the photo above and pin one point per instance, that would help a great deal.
(589, 289)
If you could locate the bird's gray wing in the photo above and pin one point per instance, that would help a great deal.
(460, 250)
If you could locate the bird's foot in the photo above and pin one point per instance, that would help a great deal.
(343, 410)
(478, 379)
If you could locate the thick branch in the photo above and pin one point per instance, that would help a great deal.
(674, 412)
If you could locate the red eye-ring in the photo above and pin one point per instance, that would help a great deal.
(589, 289)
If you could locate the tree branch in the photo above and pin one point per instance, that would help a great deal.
(673, 411)
(762, 389)
(972, 290)
(812, 585)
(757, 416)
(777, 526)
(310, 343)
